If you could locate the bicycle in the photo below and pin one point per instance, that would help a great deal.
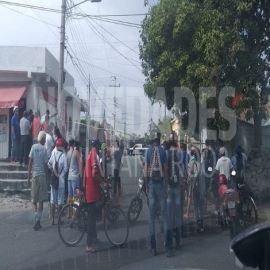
(72, 220)
(136, 203)
(248, 207)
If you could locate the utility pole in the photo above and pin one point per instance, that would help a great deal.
(125, 125)
(88, 127)
(61, 65)
(114, 99)
(60, 103)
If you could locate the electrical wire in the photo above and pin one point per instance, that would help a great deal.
(118, 75)
(114, 37)
(37, 13)
(100, 36)
(27, 15)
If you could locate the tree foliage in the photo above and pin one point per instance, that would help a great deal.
(203, 43)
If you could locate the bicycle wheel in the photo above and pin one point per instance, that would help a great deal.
(249, 211)
(71, 224)
(134, 209)
(116, 226)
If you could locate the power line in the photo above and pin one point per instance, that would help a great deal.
(36, 12)
(123, 23)
(100, 35)
(27, 15)
(116, 38)
(108, 71)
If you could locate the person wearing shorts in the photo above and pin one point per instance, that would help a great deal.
(38, 165)
(73, 161)
(58, 195)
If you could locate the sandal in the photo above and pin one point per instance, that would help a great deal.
(52, 222)
(186, 216)
(91, 250)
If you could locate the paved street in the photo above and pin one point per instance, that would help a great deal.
(24, 248)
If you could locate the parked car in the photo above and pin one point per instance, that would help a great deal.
(137, 149)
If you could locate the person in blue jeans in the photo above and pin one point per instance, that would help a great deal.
(175, 180)
(157, 190)
(15, 135)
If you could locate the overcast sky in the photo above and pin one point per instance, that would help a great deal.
(98, 48)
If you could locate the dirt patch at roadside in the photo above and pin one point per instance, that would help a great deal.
(14, 203)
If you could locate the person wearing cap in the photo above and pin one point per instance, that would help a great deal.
(15, 136)
(58, 195)
(38, 160)
(157, 191)
(30, 116)
(73, 161)
(223, 166)
(93, 178)
(25, 128)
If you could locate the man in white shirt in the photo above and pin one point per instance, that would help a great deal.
(49, 144)
(58, 194)
(47, 113)
(223, 166)
(25, 128)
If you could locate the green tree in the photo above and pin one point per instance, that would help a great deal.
(204, 43)
(165, 127)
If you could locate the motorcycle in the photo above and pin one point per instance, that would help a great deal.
(229, 216)
(136, 203)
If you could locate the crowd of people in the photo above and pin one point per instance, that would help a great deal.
(49, 159)
(56, 168)
(24, 133)
(172, 173)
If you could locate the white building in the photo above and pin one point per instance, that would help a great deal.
(29, 79)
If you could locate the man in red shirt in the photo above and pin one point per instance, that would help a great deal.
(93, 178)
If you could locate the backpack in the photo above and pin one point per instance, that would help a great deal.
(173, 168)
(55, 175)
(155, 167)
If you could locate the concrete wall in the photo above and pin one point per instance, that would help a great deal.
(22, 59)
(245, 136)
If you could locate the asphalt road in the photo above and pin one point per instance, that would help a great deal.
(23, 248)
